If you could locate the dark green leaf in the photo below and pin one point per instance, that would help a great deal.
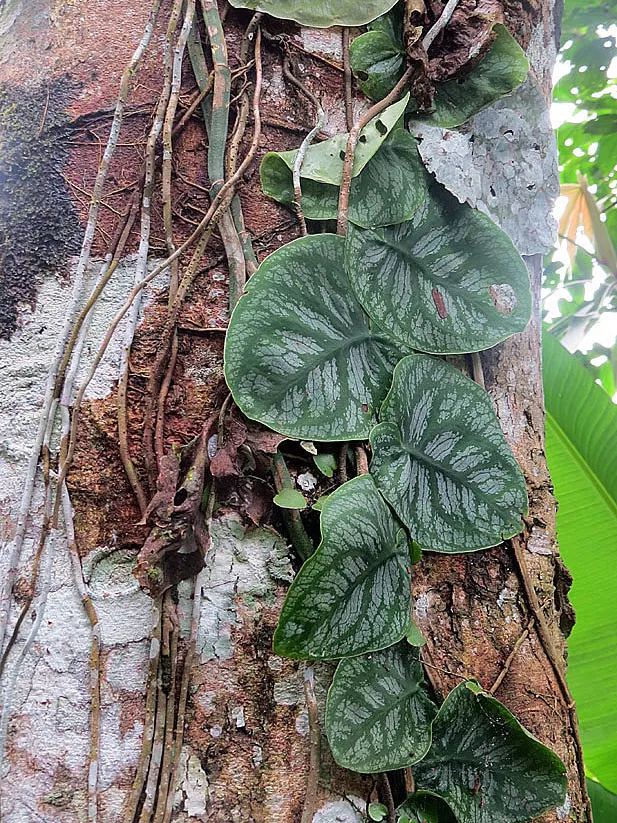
(378, 714)
(449, 280)
(290, 499)
(388, 190)
(501, 70)
(581, 449)
(299, 355)
(352, 595)
(320, 13)
(377, 63)
(425, 808)
(442, 462)
(486, 766)
(603, 803)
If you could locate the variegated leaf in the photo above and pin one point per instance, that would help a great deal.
(320, 13)
(442, 461)
(299, 355)
(353, 594)
(485, 765)
(447, 281)
(378, 715)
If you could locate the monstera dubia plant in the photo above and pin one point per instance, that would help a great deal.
(340, 337)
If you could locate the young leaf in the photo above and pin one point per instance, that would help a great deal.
(377, 63)
(448, 281)
(377, 811)
(486, 766)
(442, 462)
(320, 13)
(300, 356)
(326, 463)
(425, 808)
(388, 190)
(502, 69)
(378, 715)
(290, 499)
(352, 595)
(324, 162)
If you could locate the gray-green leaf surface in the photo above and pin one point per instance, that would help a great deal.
(300, 356)
(353, 595)
(378, 714)
(320, 13)
(485, 765)
(442, 461)
(447, 281)
(377, 62)
(388, 190)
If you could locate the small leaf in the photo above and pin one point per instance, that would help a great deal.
(320, 13)
(448, 281)
(442, 462)
(502, 69)
(319, 503)
(378, 715)
(388, 190)
(425, 808)
(352, 595)
(486, 766)
(290, 499)
(377, 811)
(326, 463)
(414, 636)
(324, 161)
(377, 63)
(300, 356)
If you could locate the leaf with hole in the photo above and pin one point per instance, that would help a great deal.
(485, 765)
(290, 499)
(320, 13)
(324, 161)
(377, 62)
(378, 713)
(300, 355)
(353, 594)
(442, 462)
(447, 281)
(388, 190)
(425, 808)
(501, 70)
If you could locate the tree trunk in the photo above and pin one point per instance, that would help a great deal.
(246, 747)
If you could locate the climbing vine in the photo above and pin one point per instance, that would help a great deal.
(340, 337)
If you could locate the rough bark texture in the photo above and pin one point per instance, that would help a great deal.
(246, 746)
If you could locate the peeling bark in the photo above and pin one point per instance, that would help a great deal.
(246, 750)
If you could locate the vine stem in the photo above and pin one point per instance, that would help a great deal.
(440, 24)
(352, 141)
(385, 793)
(347, 79)
(82, 265)
(300, 540)
(312, 783)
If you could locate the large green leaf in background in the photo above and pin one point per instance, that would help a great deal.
(447, 281)
(581, 448)
(603, 802)
(485, 765)
(353, 595)
(320, 13)
(442, 461)
(300, 356)
(378, 714)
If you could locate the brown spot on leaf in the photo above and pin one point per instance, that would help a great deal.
(439, 303)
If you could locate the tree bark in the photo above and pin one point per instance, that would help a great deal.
(246, 749)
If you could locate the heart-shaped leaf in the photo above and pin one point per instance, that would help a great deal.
(388, 190)
(447, 281)
(300, 356)
(442, 462)
(485, 765)
(320, 13)
(377, 63)
(324, 162)
(378, 714)
(353, 594)
(502, 69)
(424, 808)
(326, 463)
(290, 499)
